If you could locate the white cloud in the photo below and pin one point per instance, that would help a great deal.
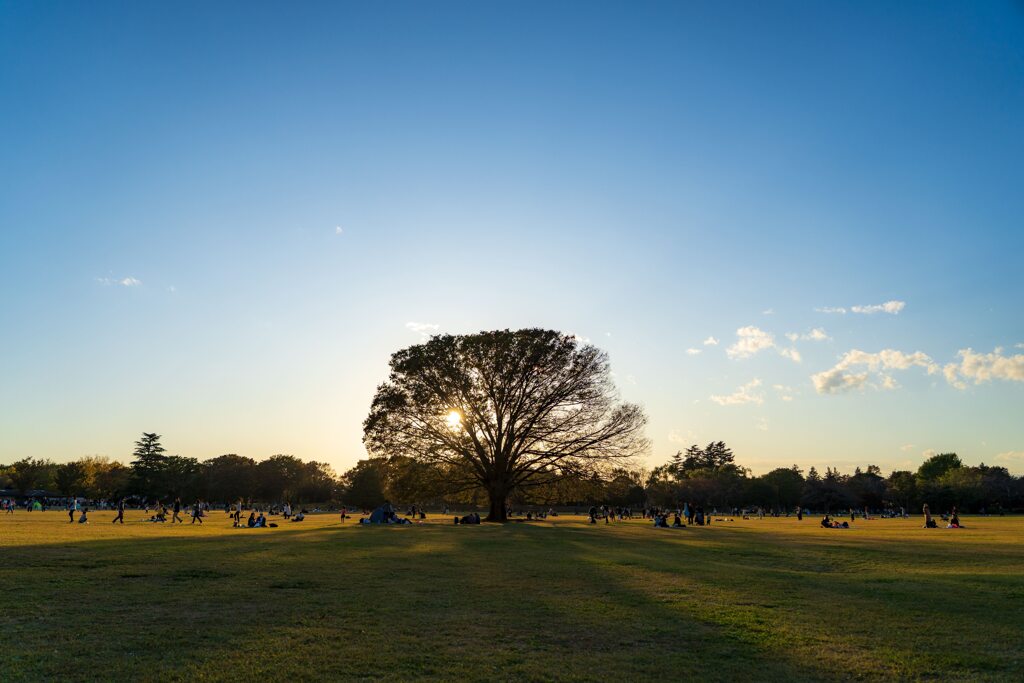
(1018, 346)
(675, 437)
(172, 289)
(580, 338)
(710, 341)
(422, 329)
(693, 352)
(927, 453)
(984, 367)
(768, 311)
(841, 378)
(750, 340)
(891, 307)
(791, 354)
(785, 392)
(744, 394)
(338, 230)
(831, 309)
(762, 424)
(906, 448)
(124, 282)
(1011, 456)
(817, 334)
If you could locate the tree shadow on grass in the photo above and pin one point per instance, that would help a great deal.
(518, 602)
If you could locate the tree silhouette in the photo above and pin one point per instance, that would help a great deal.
(149, 466)
(505, 410)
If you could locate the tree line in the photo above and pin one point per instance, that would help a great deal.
(155, 475)
(707, 476)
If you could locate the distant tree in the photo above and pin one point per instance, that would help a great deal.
(867, 488)
(624, 488)
(937, 465)
(180, 477)
(149, 466)
(901, 489)
(228, 478)
(510, 407)
(279, 478)
(28, 474)
(111, 481)
(318, 483)
(788, 487)
(363, 485)
(71, 478)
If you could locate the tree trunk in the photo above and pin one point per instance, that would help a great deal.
(499, 507)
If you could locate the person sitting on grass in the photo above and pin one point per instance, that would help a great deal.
(84, 519)
(826, 523)
(252, 520)
(471, 518)
(300, 516)
(677, 521)
(954, 520)
(929, 523)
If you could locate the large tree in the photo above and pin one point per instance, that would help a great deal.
(505, 409)
(149, 468)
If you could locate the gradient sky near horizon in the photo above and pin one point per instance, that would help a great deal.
(795, 226)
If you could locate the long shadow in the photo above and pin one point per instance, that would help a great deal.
(520, 602)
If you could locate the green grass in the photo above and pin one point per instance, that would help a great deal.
(556, 600)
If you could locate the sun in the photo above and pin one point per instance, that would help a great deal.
(454, 419)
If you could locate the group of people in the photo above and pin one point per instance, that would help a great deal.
(661, 520)
(952, 521)
(829, 523)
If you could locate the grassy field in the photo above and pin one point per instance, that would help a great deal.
(554, 600)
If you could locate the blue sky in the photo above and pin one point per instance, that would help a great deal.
(217, 221)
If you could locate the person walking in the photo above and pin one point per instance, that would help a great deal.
(197, 512)
(120, 512)
(177, 512)
(72, 509)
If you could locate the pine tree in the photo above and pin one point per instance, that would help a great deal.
(150, 465)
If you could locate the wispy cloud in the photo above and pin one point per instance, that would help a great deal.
(817, 334)
(750, 340)
(768, 311)
(422, 329)
(123, 282)
(907, 447)
(338, 230)
(710, 341)
(675, 437)
(693, 352)
(785, 392)
(842, 377)
(1011, 457)
(742, 395)
(762, 424)
(791, 354)
(890, 307)
(984, 367)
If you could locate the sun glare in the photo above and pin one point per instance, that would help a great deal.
(454, 419)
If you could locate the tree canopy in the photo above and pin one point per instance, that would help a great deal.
(504, 410)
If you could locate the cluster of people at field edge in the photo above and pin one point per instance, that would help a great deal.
(952, 521)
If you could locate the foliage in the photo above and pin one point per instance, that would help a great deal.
(505, 410)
